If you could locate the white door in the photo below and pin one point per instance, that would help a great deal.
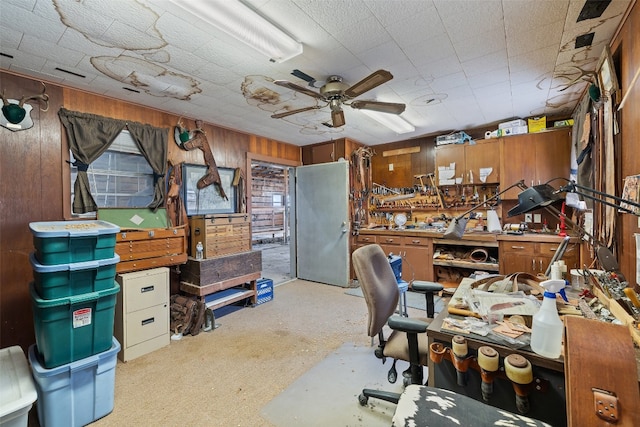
(322, 223)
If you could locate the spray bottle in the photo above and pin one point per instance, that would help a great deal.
(547, 328)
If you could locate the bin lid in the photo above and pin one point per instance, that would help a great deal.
(17, 388)
(73, 266)
(48, 229)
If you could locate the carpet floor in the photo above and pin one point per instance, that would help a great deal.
(227, 376)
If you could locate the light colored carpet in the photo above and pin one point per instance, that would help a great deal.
(327, 394)
(226, 377)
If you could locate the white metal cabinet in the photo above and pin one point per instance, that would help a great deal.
(142, 312)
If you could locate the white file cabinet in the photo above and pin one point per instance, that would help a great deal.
(142, 312)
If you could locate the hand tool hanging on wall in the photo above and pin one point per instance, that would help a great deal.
(190, 140)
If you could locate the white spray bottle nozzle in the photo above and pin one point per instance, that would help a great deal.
(553, 287)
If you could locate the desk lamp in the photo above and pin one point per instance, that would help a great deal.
(458, 224)
(541, 196)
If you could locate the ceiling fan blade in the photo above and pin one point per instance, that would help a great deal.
(337, 118)
(382, 107)
(297, 88)
(291, 112)
(374, 79)
(304, 76)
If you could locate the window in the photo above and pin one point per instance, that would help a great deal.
(121, 177)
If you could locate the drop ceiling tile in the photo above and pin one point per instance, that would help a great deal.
(465, 18)
(383, 56)
(441, 67)
(485, 64)
(14, 17)
(523, 18)
(38, 47)
(363, 36)
(9, 38)
(390, 12)
(520, 41)
(334, 16)
(481, 45)
(422, 54)
(421, 27)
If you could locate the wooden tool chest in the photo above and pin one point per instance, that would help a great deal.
(220, 234)
(150, 248)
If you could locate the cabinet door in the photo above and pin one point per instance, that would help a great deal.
(447, 154)
(553, 152)
(517, 162)
(417, 261)
(518, 257)
(484, 154)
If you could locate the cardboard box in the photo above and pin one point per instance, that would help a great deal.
(518, 130)
(537, 124)
(512, 124)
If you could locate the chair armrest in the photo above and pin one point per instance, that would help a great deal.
(408, 325)
(424, 287)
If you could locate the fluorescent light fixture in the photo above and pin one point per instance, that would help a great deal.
(392, 121)
(244, 24)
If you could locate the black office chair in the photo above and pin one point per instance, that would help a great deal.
(408, 341)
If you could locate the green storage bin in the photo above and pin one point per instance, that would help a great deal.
(63, 242)
(72, 328)
(66, 280)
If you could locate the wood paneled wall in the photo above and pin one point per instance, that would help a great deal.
(626, 48)
(34, 180)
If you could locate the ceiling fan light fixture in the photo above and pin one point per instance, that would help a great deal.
(392, 121)
(245, 25)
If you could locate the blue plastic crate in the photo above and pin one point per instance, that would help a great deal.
(77, 393)
(265, 291)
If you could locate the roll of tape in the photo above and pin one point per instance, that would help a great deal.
(487, 135)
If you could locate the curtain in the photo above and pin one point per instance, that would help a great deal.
(90, 135)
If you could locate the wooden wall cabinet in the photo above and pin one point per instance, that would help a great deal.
(415, 252)
(535, 158)
(469, 159)
(534, 257)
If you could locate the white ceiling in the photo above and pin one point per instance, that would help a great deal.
(478, 61)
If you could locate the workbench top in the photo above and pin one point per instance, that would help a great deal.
(483, 236)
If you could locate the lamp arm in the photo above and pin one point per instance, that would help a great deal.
(495, 196)
(571, 188)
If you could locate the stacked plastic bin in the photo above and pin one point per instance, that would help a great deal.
(73, 298)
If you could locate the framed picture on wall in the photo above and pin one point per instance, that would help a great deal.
(607, 78)
(207, 200)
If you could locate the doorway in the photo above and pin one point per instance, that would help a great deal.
(270, 225)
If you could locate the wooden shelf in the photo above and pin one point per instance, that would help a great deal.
(487, 266)
(226, 297)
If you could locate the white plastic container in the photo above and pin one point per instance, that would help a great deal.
(77, 393)
(17, 389)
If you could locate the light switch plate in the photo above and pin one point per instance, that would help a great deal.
(537, 218)
(390, 167)
(528, 218)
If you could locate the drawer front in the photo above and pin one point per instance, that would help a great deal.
(518, 247)
(366, 239)
(416, 241)
(546, 249)
(143, 325)
(145, 291)
(390, 240)
(143, 249)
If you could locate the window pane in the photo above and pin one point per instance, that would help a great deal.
(121, 177)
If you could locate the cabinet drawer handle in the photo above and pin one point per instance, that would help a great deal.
(533, 265)
(148, 321)
(388, 240)
(517, 247)
(366, 239)
(415, 241)
(146, 289)
(553, 249)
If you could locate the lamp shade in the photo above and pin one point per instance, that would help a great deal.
(533, 198)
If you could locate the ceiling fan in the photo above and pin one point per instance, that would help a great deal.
(335, 94)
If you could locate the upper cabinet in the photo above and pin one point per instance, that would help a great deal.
(471, 161)
(535, 158)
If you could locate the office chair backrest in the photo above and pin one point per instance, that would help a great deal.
(378, 283)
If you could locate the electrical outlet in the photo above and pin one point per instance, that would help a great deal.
(528, 218)
(390, 167)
